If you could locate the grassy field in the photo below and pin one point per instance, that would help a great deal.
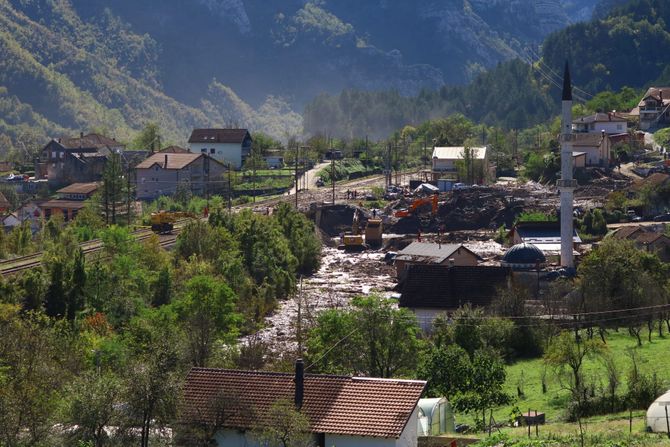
(527, 374)
(612, 429)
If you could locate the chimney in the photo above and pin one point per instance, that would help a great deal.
(609, 116)
(81, 134)
(166, 157)
(299, 383)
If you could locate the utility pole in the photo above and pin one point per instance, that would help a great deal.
(297, 185)
(253, 174)
(129, 196)
(332, 173)
(230, 189)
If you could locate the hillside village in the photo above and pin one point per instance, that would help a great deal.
(446, 243)
(477, 265)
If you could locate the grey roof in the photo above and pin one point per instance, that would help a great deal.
(543, 232)
(523, 255)
(429, 252)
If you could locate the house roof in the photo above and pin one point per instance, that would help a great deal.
(80, 188)
(429, 252)
(654, 180)
(456, 153)
(441, 287)
(649, 237)
(174, 150)
(60, 203)
(92, 140)
(542, 232)
(170, 160)
(218, 136)
(599, 118)
(655, 93)
(627, 232)
(354, 406)
(587, 139)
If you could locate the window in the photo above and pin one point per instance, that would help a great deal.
(618, 127)
(203, 150)
(212, 151)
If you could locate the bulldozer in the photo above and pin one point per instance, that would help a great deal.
(432, 200)
(162, 222)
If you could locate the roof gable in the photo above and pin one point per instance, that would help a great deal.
(333, 404)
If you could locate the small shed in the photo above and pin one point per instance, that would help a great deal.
(435, 417)
(658, 414)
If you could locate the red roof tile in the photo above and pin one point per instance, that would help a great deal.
(333, 404)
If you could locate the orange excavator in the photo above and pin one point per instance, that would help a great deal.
(432, 200)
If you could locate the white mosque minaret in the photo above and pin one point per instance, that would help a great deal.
(566, 184)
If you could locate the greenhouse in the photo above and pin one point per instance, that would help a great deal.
(658, 419)
(435, 417)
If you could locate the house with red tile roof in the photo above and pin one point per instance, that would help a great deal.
(160, 174)
(342, 410)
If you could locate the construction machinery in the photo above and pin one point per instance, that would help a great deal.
(163, 222)
(432, 200)
(353, 241)
(373, 232)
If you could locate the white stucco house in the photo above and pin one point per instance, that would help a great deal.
(446, 161)
(610, 123)
(342, 411)
(224, 145)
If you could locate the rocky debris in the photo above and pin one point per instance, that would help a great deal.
(342, 276)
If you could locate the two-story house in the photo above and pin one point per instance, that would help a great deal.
(224, 145)
(610, 123)
(160, 174)
(75, 160)
(654, 108)
(446, 162)
(597, 148)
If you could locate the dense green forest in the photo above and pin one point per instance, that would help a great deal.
(510, 95)
(627, 47)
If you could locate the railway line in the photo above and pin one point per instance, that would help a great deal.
(16, 265)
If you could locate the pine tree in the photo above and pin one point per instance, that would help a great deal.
(75, 296)
(55, 305)
(162, 288)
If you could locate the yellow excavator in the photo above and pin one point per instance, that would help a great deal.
(353, 241)
(163, 222)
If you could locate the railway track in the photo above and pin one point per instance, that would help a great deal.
(19, 264)
(16, 265)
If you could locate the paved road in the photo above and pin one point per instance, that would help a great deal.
(312, 175)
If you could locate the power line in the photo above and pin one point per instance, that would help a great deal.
(331, 348)
(547, 67)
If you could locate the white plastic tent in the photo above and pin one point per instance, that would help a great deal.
(435, 417)
(656, 414)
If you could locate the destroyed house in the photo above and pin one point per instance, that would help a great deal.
(430, 290)
(341, 410)
(431, 253)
